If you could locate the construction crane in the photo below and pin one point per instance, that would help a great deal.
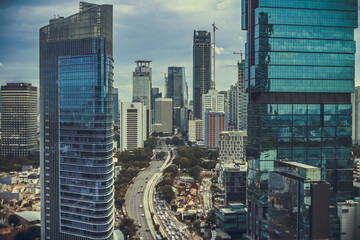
(214, 29)
(240, 53)
(166, 83)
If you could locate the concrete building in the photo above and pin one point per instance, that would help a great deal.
(231, 219)
(232, 147)
(233, 98)
(298, 202)
(355, 102)
(76, 125)
(18, 119)
(201, 69)
(213, 101)
(132, 125)
(349, 215)
(155, 93)
(195, 130)
(242, 100)
(142, 85)
(163, 115)
(215, 122)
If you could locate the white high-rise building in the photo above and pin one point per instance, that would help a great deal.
(132, 125)
(214, 101)
(355, 102)
(232, 147)
(195, 130)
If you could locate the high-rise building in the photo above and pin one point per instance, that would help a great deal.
(195, 130)
(18, 119)
(142, 85)
(76, 109)
(242, 100)
(201, 69)
(215, 123)
(298, 202)
(177, 91)
(299, 74)
(155, 93)
(234, 182)
(132, 125)
(355, 102)
(232, 147)
(232, 98)
(213, 101)
(163, 115)
(349, 216)
(116, 115)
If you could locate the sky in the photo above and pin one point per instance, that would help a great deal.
(156, 30)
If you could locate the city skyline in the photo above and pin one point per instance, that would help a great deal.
(166, 38)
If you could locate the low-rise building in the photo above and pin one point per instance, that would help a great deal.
(231, 219)
(234, 182)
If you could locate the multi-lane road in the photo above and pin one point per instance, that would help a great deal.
(134, 199)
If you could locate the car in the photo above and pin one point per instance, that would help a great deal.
(143, 215)
(141, 206)
(148, 230)
(139, 225)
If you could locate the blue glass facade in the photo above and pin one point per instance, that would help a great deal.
(201, 69)
(116, 112)
(299, 76)
(76, 109)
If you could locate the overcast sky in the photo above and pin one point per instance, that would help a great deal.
(157, 30)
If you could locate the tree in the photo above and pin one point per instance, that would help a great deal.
(177, 141)
(173, 170)
(166, 193)
(150, 143)
(128, 227)
(168, 141)
(14, 220)
(30, 234)
(195, 172)
(210, 219)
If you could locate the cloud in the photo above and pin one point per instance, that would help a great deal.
(1, 65)
(219, 50)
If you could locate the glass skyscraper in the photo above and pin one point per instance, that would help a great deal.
(177, 90)
(76, 108)
(299, 76)
(201, 69)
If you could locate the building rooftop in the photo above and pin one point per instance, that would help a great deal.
(30, 216)
(296, 164)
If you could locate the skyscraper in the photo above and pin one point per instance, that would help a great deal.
(201, 69)
(213, 101)
(163, 116)
(18, 119)
(142, 84)
(299, 75)
(215, 122)
(76, 107)
(232, 97)
(132, 126)
(116, 115)
(355, 102)
(155, 93)
(177, 90)
(242, 101)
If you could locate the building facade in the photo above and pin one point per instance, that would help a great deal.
(155, 93)
(355, 102)
(132, 125)
(76, 109)
(242, 101)
(142, 85)
(298, 202)
(232, 98)
(177, 90)
(18, 119)
(215, 123)
(231, 219)
(232, 147)
(234, 182)
(195, 130)
(116, 114)
(349, 215)
(163, 115)
(299, 74)
(201, 69)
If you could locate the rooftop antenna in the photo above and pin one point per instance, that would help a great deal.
(214, 29)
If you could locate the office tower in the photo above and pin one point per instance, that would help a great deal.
(214, 101)
(163, 115)
(299, 74)
(155, 93)
(242, 101)
(76, 109)
(234, 182)
(232, 147)
(201, 69)
(232, 98)
(355, 102)
(195, 130)
(142, 84)
(132, 125)
(116, 115)
(298, 202)
(349, 215)
(215, 123)
(18, 119)
(177, 91)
